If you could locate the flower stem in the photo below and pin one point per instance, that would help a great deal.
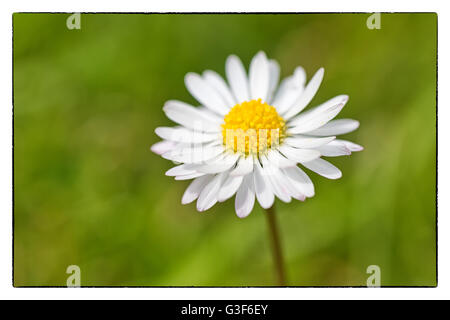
(276, 245)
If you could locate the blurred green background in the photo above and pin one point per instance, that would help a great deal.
(87, 190)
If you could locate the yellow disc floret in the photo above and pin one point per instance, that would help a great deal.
(252, 127)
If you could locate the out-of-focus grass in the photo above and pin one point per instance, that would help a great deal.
(88, 191)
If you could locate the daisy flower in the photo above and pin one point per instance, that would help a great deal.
(249, 136)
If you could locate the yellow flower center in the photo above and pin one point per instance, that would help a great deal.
(252, 127)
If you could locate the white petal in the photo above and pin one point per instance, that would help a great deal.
(278, 189)
(244, 167)
(306, 96)
(181, 134)
(274, 72)
(353, 147)
(194, 189)
(208, 196)
(299, 155)
(216, 81)
(245, 197)
(290, 90)
(190, 176)
(280, 161)
(300, 76)
(191, 117)
(220, 164)
(300, 180)
(335, 127)
(318, 116)
(211, 114)
(301, 141)
(229, 187)
(195, 154)
(263, 190)
(324, 168)
(269, 173)
(163, 147)
(205, 93)
(334, 149)
(259, 77)
(286, 185)
(179, 171)
(237, 78)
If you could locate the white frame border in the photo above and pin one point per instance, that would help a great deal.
(8, 292)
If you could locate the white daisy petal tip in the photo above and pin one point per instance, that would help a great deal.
(186, 199)
(199, 209)
(242, 214)
(321, 72)
(237, 78)
(318, 76)
(345, 98)
(205, 93)
(358, 148)
(336, 127)
(323, 168)
(299, 77)
(262, 52)
(167, 104)
(260, 55)
(300, 197)
(189, 176)
(245, 198)
(195, 188)
(263, 192)
(173, 171)
(189, 77)
(337, 176)
(351, 146)
(155, 149)
(307, 95)
(259, 77)
(160, 148)
(165, 155)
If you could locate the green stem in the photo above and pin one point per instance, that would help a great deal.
(276, 246)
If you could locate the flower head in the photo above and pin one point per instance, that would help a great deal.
(249, 135)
